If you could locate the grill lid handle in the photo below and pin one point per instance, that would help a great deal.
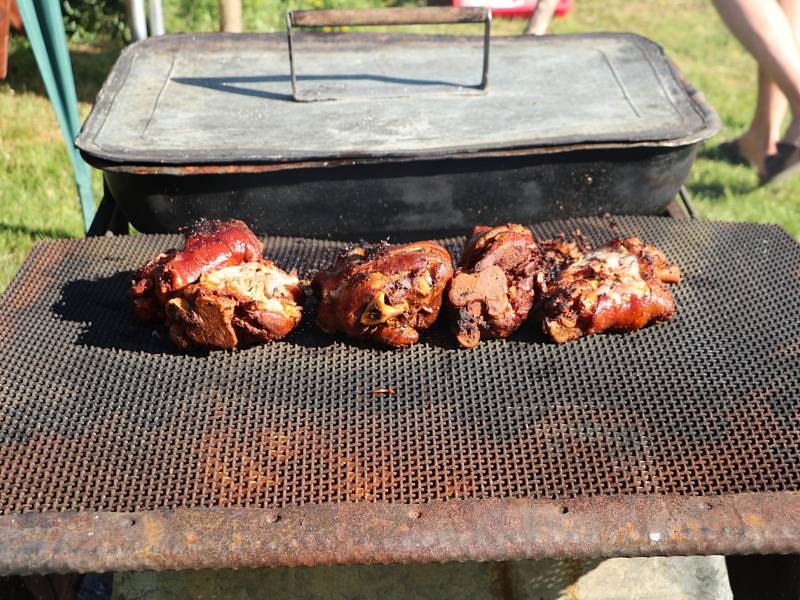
(437, 15)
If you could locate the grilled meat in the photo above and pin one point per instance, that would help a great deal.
(384, 293)
(619, 287)
(217, 292)
(208, 245)
(553, 257)
(492, 291)
(235, 306)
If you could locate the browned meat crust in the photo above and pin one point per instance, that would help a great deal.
(382, 292)
(554, 256)
(217, 292)
(492, 291)
(208, 245)
(619, 287)
(236, 306)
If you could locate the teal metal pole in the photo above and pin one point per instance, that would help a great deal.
(45, 30)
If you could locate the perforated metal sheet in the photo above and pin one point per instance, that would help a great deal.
(98, 413)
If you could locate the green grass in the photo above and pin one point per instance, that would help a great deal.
(712, 60)
(38, 198)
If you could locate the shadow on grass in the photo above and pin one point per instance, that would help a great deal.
(718, 188)
(718, 154)
(36, 232)
(90, 66)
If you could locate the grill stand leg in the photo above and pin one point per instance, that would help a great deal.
(108, 218)
(683, 194)
(682, 209)
(769, 576)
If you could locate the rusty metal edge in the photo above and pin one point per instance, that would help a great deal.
(338, 534)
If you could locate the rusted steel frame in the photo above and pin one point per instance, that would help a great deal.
(493, 529)
(676, 211)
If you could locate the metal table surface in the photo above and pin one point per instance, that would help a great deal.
(117, 453)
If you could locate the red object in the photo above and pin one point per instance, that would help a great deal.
(5, 21)
(514, 8)
(9, 17)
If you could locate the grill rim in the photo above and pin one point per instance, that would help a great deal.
(382, 533)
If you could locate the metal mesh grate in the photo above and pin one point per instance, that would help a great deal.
(98, 413)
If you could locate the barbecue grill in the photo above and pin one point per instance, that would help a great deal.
(358, 135)
(118, 453)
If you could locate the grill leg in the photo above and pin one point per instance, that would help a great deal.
(40, 587)
(770, 576)
(674, 210)
(683, 194)
(108, 218)
(682, 209)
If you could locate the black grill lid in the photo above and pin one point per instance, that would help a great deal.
(227, 99)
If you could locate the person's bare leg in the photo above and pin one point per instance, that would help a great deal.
(791, 9)
(764, 30)
(761, 138)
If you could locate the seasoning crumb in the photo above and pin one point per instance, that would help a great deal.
(612, 224)
(581, 239)
(381, 391)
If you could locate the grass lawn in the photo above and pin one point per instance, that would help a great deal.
(38, 199)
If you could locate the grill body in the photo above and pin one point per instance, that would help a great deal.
(680, 438)
(205, 125)
(407, 200)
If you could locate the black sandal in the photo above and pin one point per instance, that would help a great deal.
(783, 164)
(731, 153)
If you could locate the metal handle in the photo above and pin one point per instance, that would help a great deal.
(389, 16)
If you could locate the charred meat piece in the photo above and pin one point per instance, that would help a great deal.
(553, 257)
(217, 292)
(619, 287)
(492, 291)
(235, 306)
(209, 245)
(384, 293)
